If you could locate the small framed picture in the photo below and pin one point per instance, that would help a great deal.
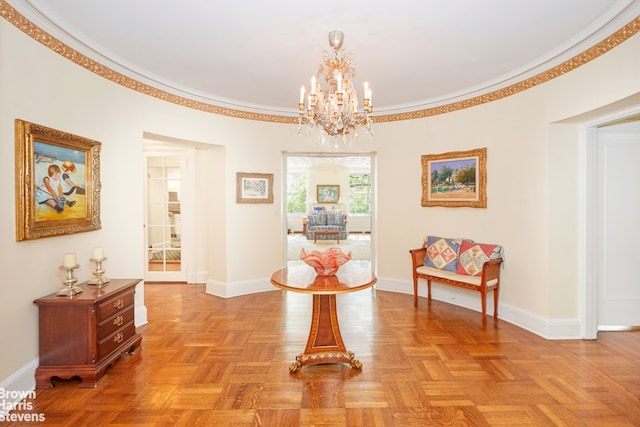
(254, 187)
(328, 193)
(57, 182)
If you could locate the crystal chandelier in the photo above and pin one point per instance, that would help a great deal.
(334, 108)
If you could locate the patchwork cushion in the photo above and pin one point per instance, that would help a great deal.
(474, 255)
(442, 253)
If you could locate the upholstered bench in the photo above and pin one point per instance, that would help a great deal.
(461, 263)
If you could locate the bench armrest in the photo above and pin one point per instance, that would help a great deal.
(417, 257)
(491, 270)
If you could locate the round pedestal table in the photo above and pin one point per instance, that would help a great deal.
(325, 343)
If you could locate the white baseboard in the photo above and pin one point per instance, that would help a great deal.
(140, 316)
(551, 329)
(198, 277)
(201, 276)
(21, 383)
(140, 309)
(236, 289)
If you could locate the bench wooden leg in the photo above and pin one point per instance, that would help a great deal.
(415, 291)
(483, 297)
(495, 303)
(429, 289)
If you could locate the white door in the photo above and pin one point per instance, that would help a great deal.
(618, 269)
(164, 210)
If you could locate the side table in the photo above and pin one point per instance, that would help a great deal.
(324, 344)
(84, 334)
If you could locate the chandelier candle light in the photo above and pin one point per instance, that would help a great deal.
(334, 108)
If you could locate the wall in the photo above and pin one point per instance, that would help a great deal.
(39, 86)
(525, 213)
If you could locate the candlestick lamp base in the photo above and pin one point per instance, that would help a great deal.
(98, 281)
(99, 278)
(70, 288)
(69, 291)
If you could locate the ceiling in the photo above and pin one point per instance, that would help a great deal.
(254, 55)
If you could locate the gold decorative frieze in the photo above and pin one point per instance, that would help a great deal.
(26, 26)
(590, 54)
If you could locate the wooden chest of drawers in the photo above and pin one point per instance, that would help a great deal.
(84, 334)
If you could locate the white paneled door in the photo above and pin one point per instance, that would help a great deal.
(618, 279)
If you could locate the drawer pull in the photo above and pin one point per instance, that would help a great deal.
(118, 321)
(118, 337)
(118, 304)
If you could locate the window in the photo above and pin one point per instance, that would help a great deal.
(359, 193)
(297, 192)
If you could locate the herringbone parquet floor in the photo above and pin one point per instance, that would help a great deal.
(207, 361)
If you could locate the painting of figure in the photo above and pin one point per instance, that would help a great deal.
(59, 182)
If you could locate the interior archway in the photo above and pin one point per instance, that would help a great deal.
(337, 170)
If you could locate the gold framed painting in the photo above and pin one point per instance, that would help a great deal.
(328, 193)
(254, 187)
(57, 182)
(455, 179)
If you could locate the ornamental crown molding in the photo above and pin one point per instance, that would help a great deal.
(14, 17)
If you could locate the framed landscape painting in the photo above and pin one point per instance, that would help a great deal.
(254, 187)
(57, 182)
(455, 179)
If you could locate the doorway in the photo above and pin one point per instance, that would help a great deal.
(164, 216)
(354, 177)
(618, 297)
(607, 262)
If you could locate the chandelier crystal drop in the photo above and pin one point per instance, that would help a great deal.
(334, 108)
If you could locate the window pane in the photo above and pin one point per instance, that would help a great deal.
(360, 193)
(297, 192)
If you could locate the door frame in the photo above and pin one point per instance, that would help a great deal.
(372, 171)
(187, 204)
(590, 217)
